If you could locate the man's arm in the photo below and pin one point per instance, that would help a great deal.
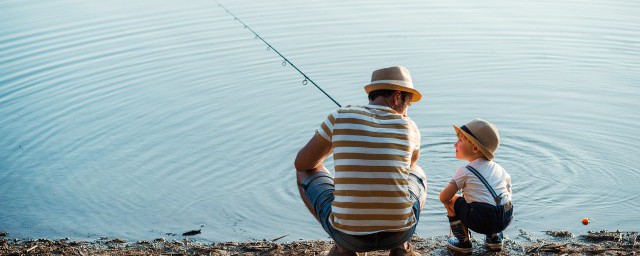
(311, 155)
(414, 158)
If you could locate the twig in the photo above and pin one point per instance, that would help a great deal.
(31, 249)
(259, 247)
(278, 238)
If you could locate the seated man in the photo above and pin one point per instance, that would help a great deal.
(375, 200)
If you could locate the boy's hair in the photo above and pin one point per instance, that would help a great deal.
(385, 93)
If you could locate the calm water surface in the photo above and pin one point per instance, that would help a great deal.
(135, 120)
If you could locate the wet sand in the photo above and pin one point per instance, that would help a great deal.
(553, 243)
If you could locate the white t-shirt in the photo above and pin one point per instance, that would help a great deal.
(474, 190)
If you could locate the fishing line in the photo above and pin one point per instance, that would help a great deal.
(285, 60)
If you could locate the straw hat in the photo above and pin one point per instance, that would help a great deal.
(482, 134)
(393, 78)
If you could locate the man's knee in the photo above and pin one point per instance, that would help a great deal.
(418, 171)
(301, 176)
(423, 199)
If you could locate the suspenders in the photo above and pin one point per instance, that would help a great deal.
(496, 197)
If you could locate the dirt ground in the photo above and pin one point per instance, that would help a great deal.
(554, 243)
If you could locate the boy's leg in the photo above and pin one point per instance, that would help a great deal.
(460, 242)
(450, 206)
(493, 242)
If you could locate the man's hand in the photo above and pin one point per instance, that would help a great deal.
(312, 154)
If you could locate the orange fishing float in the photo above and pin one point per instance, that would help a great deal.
(585, 221)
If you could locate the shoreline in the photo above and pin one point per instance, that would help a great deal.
(554, 242)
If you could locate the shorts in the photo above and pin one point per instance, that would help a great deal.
(319, 190)
(482, 217)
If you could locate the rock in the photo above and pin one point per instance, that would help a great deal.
(117, 241)
(192, 232)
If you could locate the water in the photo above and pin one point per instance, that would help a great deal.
(135, 120)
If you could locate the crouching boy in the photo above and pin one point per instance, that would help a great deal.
(485, 205)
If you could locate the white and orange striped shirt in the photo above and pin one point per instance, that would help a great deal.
(372, 149)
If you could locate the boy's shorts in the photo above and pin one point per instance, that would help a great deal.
(319, 190)
(482, 217)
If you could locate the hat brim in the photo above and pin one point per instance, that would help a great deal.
(416, 95)
(485, 151)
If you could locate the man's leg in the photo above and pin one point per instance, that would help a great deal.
(301, 176)
(418, 171)
(419, 189)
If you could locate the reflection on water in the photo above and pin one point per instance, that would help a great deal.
(140, 119)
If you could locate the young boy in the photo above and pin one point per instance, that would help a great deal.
(485, 206)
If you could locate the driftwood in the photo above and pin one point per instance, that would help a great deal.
(278, 238)
(32, 248)
(548, 248)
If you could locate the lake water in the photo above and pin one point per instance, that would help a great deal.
(137, 119)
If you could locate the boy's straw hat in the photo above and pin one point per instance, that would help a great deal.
(393, 78)
(482, 134)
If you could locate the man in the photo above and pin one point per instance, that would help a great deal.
(375, 200)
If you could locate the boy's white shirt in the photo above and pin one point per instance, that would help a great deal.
(474, 190)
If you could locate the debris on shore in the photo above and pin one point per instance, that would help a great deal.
(559, 233)
(602, 243)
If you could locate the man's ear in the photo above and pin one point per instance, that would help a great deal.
(397, 97)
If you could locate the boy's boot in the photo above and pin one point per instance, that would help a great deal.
(460, 242)
(494, 242)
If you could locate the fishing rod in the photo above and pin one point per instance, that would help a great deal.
(285, 61)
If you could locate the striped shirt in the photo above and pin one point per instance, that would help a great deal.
(372, 149)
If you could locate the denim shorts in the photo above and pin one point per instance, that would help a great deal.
(319, 190)
(482, 217)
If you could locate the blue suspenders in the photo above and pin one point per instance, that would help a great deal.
(496, 197)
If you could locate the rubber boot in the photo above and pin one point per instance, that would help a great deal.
(493, 242)
(460, 242)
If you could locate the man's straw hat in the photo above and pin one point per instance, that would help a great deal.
(393, 78)
(482, 134)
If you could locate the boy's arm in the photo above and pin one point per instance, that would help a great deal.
(448, 192)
